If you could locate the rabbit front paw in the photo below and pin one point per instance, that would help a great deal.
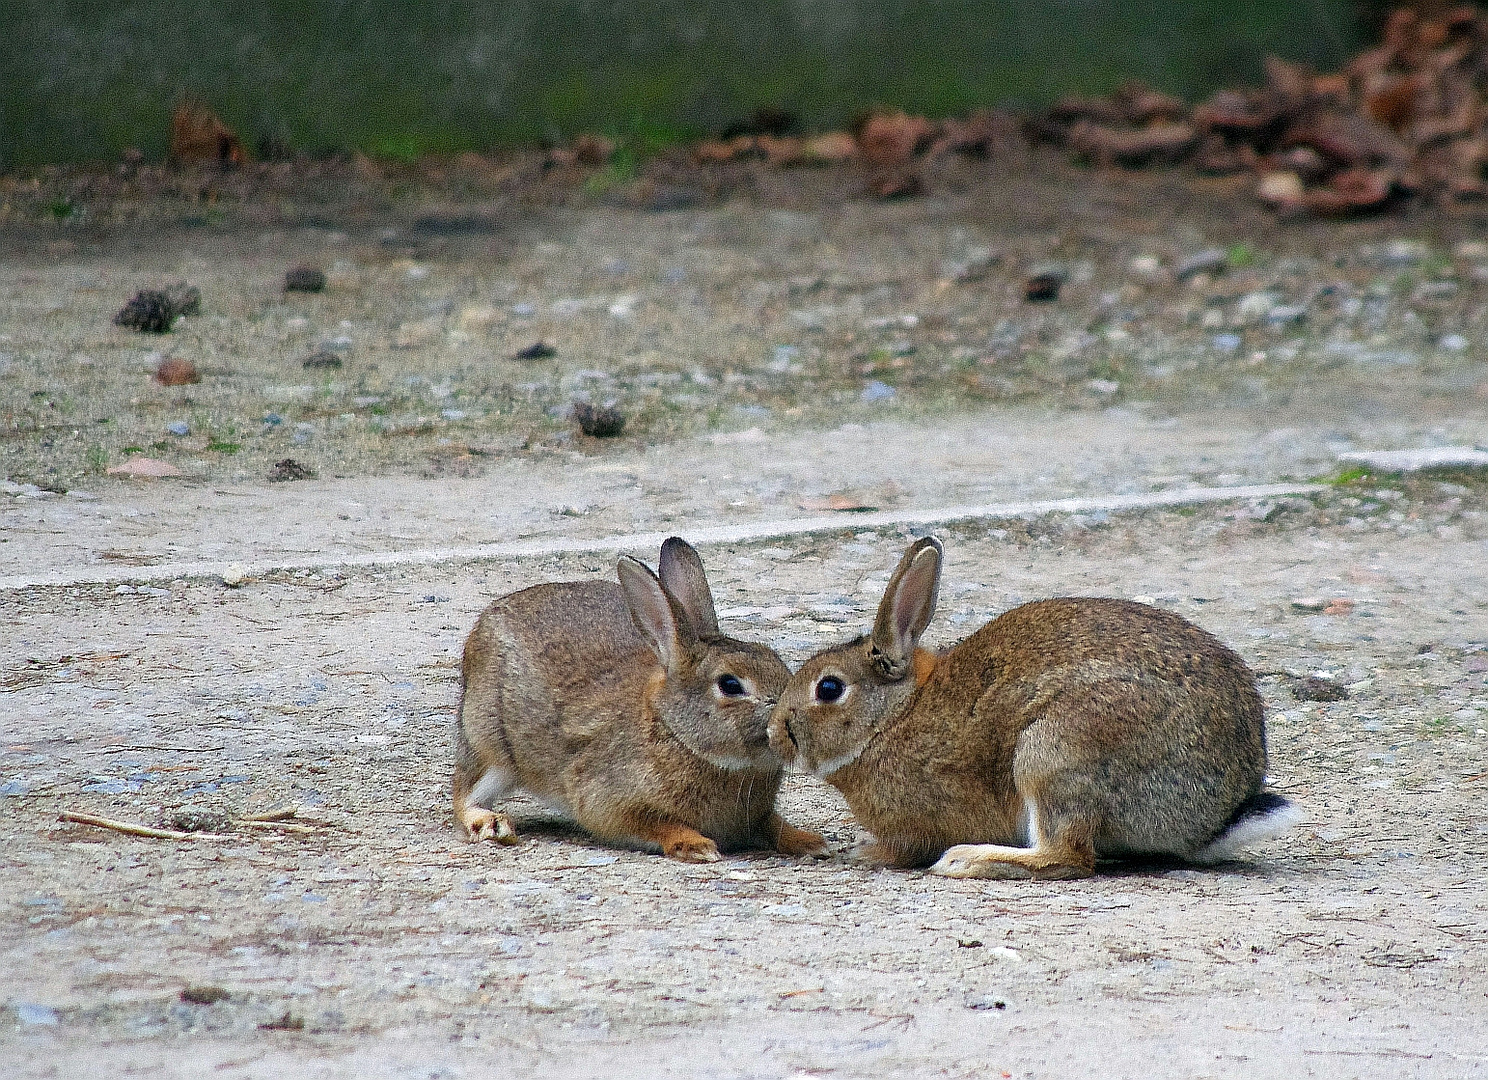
(686, 845)
(794, 841)
(482, 824)
(790, 840)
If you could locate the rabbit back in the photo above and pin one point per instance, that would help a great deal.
(1127, 715)
(1123, 717)
(546, 671)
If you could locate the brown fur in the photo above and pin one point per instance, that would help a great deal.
(1131, 731)
(566, 696)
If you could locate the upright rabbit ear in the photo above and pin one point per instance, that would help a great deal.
(657, 616)
(681, 572)
(907, 608)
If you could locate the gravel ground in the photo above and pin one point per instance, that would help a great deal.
(373, 942)
(771, 302)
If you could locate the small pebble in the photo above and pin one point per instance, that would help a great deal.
(203, 995)
(1208, 261)
(235, 575)
(1255, 306)
(976, 265)
(31, 1015)
(877, 391)
(1043, 285)
(179, 428)
(1283, 314)
(304, 279)
(1281, 190)
(538, 350)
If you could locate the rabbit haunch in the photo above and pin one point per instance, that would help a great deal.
(1062, 731)
(623, 707)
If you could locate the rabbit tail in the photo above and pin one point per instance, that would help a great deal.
(1263, 816)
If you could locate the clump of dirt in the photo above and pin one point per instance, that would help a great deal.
(155, 311)
(204, 995)
(304, 279)
(174, 371)
(199, 137)
(287, 469)
(321, 360)
(598, 421)
(538, 350)
(1315, 688)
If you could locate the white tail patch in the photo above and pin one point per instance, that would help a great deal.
(1250, 830)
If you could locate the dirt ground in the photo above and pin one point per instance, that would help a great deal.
(807, 347)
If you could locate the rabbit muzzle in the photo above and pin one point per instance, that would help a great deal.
(784, 742)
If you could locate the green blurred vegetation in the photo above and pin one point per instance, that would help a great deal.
(85, 80)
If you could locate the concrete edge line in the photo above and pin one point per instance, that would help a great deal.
(650, 541)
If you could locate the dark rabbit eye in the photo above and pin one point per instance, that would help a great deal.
(729, 686)
(829, 689)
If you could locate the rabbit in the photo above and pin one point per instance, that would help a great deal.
(1063, 731)
(625, 708)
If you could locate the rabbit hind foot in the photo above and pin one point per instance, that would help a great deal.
(1010, 863)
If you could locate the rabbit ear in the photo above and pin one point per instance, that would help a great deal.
(659, 618)
(681, 572)
(907, 608)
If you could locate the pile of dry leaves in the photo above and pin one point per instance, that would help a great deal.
(1408, 117)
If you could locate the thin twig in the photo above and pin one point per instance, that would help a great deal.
(132, 829)
(282, 826)
(173, 749)
(274, 815)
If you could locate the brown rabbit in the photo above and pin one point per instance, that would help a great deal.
(1062, 731)
(625, 708)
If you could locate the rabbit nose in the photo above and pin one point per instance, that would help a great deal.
(789, 734)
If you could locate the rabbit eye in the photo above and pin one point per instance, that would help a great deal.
(829, 689)
(730, 686)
